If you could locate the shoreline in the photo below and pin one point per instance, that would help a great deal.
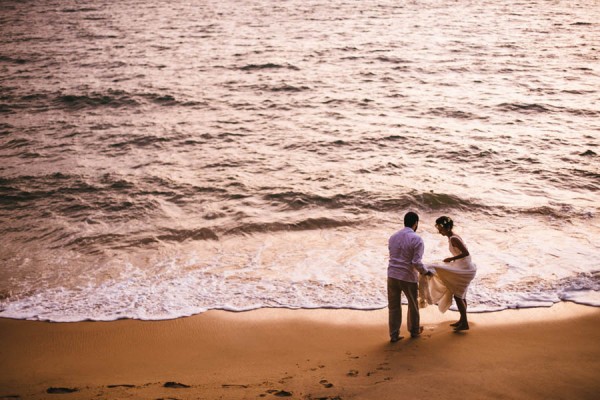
(306, 354)
(472, 311)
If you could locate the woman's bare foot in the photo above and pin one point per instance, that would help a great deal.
(462, 327)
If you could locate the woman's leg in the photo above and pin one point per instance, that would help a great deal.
(463, 323)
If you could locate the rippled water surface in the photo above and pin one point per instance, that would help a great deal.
(160, 159)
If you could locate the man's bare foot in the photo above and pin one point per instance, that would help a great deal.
(394, 339)
(457, 323)
(416, 335)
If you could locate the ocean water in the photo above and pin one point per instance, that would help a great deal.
(160, 159)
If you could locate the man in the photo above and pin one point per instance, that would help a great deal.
(406, 251)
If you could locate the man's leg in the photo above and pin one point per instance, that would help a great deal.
(394, 308)
(411, 291)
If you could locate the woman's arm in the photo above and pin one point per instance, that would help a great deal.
(459, 245)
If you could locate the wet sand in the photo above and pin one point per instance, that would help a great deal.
(545, 353)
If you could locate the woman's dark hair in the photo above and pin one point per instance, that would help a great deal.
(445, 222)
(410, 219)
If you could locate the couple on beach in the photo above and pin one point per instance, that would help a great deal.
(426, 284)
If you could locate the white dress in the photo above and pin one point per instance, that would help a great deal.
(449, 279)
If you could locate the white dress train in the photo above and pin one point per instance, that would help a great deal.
(449, 279)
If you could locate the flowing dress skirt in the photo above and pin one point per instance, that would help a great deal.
(449, 279)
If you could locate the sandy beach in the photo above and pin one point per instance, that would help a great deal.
(544, 353)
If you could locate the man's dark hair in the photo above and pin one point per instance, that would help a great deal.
(410, 219)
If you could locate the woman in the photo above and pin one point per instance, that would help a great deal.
(452, 278)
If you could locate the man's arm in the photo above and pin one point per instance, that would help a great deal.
(418, 257)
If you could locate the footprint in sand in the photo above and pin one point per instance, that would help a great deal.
(326, 384)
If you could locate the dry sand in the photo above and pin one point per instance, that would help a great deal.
(546, 353)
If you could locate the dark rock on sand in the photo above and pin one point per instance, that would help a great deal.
(60, 390)
(175, 385)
